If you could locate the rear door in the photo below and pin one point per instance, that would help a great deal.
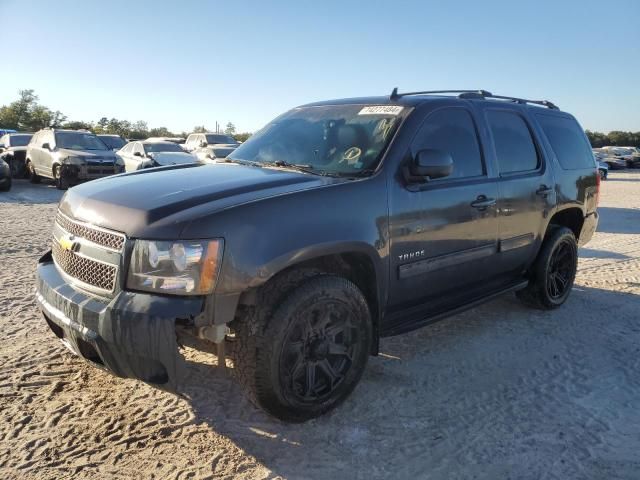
(443, 234)
(526, 186)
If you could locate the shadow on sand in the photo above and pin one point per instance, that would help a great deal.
(22, 191)
(619, 220)
(443, 397)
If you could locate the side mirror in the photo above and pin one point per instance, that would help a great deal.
(203, 144)
(137, 154)
(431, 164)
(46, 146)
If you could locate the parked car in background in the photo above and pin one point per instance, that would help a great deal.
(338, 224)
(5, 176)
(114, 142)
(69, 157)
(214, 153)
(618, 157)
(178, 140)
(197, 141)
(635, 157)
(13, 150)
(603, 169)
(613, 162)
(211, 147)
(4, 131)
(147, 154)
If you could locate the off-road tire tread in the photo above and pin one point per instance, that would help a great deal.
(255, 346)
(534, 294)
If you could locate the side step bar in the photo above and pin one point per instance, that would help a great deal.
(420, 316)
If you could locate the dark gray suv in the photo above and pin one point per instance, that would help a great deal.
(339, 223)
(69, 157)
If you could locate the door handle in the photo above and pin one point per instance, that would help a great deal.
(544, 191)
(483, 202)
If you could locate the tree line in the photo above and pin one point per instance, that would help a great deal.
(26, 114)
(615, 138)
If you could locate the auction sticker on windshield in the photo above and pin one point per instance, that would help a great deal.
(381, 110)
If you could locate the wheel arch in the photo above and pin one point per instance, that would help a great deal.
(358, 263)
(571, 217)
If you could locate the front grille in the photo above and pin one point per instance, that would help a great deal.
(110, 240)
(104, 163)
(87, 271)
(100, 171)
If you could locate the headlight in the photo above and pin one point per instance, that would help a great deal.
(185, 267)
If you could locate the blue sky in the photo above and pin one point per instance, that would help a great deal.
(181, 64)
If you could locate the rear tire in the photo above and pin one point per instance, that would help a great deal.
(33, 176)
(554, 271)
(7, 186)
(306, 355)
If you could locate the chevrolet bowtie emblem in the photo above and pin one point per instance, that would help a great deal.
(68, 243)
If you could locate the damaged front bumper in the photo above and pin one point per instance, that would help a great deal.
(132, 335)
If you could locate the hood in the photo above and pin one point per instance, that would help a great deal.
(18, 149)
(88, 155)
(159, 203)
(173, 158)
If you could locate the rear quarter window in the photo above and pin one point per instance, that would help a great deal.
(567, 141)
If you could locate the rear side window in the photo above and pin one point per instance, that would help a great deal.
(567, 141)
(512, 139)
(452, 130)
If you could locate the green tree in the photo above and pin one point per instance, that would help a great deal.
(230, 129)
(77, 125)
(242, 137)
(26, 114)
(200, 129)
(160, 132)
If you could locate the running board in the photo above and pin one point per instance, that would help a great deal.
(407, 320)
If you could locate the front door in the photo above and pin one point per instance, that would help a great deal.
(444, 234)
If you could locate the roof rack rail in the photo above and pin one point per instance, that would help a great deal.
(477, 94)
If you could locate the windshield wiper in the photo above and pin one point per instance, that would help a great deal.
(243, 162)
(306, 168)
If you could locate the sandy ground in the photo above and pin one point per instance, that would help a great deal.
(498, 392)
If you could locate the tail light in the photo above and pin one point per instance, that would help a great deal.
(598, 180)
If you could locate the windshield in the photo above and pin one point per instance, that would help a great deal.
(19, 140)
(162, 147)
(79, 141)
(213, 139)
(333, 139)
(114, 143)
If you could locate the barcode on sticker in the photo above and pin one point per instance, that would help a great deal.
(381, 110)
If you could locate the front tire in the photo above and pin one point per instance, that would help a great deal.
(554, 271)
(61, 182)
(307, 356)
(33, 176)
